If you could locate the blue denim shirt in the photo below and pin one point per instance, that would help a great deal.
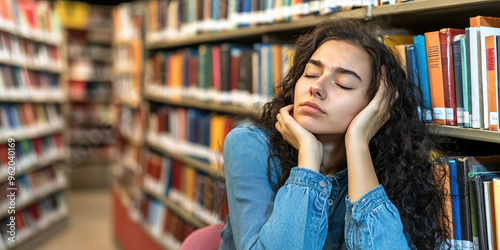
(310, 211)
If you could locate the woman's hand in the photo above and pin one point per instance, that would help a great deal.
(310, 149)
(369, 121)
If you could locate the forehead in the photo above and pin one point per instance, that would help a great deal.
(337, 53)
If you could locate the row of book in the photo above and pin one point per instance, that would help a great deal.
(104, 135)
(191, 132)
(31, 186)
(166, 226)
(132, 123)
(200, 195)
(81, 90)
(97, 52)
(474, 205)
(225, 73)
(127, 21)
(180, 18)
(30, 152)
(456, 70)
(28, 119)
(27, 53)
(33, 220)
(128, 57)
(30, 19)
(91, 114)
(127, 88)
(85, 154)
(85, 70)
(22, 83)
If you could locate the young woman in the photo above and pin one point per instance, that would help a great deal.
(340, 157)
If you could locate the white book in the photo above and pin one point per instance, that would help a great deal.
(484, 32)
(475, 79)
(487, 206)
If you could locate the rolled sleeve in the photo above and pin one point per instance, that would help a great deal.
(374, 223)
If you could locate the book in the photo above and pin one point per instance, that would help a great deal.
(435, 69)
(484, 32)
(479, 21)
(475, 66)
(477, 180)
(457, 67)
(492, 81)
(446, 38)
(466, 165)
(455, 203)
(490, 213)
(465, 56)
(423, 76)
(496, 201)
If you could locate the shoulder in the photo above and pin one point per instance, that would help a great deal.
(246, 136)
(246, 145)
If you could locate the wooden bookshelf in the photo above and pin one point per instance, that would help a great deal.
(465, 133)
(209, 106)
(33, 200)
(47, 68)
(178, 210)
(194, 163)
(43, 37)
(422, 8)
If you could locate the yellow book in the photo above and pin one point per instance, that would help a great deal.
(190, 176)
(216, 136)
(496, 201)
(41, 115)
(175, 85)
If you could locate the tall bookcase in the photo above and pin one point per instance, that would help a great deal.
(176, 102)
(92, 118)
(33, 138)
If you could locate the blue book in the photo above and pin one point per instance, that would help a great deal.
(457, 67)
(411, 64)
(423, 75)
(455, 203)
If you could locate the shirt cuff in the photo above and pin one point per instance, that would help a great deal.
(310, 178)
(367, 203)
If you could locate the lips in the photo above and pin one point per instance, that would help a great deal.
(312, 107)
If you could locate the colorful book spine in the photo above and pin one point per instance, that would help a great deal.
(434, 63)
(457, 66)
(423, 76)
(446, 38)
(492, 81)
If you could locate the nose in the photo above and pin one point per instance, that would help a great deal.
(317, 89)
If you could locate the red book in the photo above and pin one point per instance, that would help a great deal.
(216, 68)
(4, 160)
(37, 145)
(155, 167)
(446, 39)
(177, 175)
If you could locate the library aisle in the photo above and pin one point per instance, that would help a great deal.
(117, 110)
(89, 225)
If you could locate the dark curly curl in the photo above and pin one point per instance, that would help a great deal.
(401, 150)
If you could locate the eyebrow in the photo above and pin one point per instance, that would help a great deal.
(341, 70)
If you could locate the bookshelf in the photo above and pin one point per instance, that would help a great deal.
(33, 110)
(167, 38)
(90, 89)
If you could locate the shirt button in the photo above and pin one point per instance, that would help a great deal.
(322, 184)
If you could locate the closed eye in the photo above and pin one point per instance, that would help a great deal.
(309, 76)
(343, 87)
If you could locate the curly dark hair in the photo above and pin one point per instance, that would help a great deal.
(401, 150)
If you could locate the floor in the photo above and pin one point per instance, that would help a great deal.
(89, 224)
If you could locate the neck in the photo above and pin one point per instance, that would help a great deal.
(334, 154)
